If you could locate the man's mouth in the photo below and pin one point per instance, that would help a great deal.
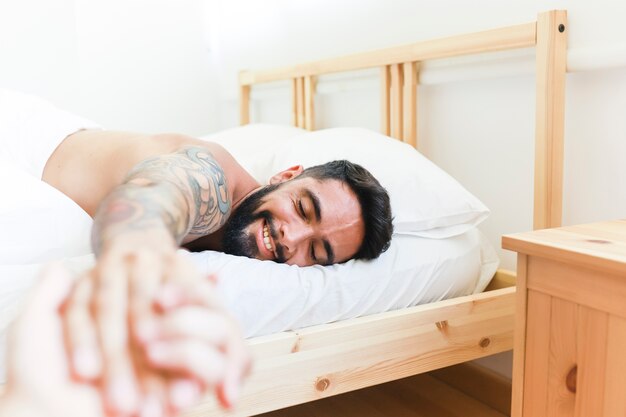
(266, 238)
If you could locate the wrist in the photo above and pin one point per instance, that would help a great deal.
(156, 240)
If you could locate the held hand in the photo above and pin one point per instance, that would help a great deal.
(39, 383)
(145, 325)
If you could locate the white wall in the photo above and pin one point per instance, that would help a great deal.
(476, 123)
(127, 64)
(476, 115)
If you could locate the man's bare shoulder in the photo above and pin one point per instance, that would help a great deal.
(89, 164)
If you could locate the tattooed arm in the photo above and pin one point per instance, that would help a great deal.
(184, 193)
(137, 230)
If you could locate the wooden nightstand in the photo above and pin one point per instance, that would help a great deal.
(570, 330)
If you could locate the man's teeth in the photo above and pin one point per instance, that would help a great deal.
(266, 238)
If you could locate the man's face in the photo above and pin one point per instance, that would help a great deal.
(300, 222)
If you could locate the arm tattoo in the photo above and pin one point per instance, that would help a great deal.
(186, 192)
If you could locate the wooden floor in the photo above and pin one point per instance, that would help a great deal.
(425, 395)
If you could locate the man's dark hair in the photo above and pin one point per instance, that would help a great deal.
(373, 198)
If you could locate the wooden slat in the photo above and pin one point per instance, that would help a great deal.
(614, 399)
(244, 104)
(309, 96)
(563, 356)
(396, 100)
(339, 357)
(537, 355)
(300, 102)
(550, 118)
(519, 350)
(512, 37)
(592, 342)
(385, 100)
(409, 105)
(294, 101)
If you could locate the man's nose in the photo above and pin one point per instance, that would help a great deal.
(293, 235)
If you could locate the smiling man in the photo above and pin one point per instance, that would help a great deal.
(151, 194)
(161, 191)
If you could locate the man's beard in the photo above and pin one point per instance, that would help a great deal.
(236, 240)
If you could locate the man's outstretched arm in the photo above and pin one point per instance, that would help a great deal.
(137, 229)
(180, 194)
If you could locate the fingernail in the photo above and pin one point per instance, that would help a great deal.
(184, 393)
(123, 396)
(86, 363)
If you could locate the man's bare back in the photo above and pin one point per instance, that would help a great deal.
(89, 164)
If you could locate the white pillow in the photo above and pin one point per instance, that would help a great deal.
(425, 200)
(254, 146)
(267, 297)
(38, 222)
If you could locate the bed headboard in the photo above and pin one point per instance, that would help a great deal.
(399, 74)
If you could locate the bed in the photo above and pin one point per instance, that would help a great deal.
(299, 366)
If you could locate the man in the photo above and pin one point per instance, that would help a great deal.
(150, 194)
(183, 191)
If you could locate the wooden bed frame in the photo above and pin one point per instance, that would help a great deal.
(299, 366)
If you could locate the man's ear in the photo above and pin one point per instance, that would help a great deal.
(286, 175)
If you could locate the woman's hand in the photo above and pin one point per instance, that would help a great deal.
(38, 379)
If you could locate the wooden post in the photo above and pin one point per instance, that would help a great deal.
(550, 118)
(396, 101)
(244, 104)
(300, 100)
(294, 101)
(309, 95)
(409, 105)
(385, 104)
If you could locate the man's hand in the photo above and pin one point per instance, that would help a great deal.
(147, 327)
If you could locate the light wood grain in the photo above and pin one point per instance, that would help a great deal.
(592, 347)
(601, 246)
(409, 104)
(300, 99)
(294, 102)
(584, 286)
(244, 104)
(537, 351)
(563, 354)
(550, 118)
(511, 37)
(614, 399)
(519, 350)
(385, 100)
(331, 359)
(309, 96)
(580, 270)
(396, 100)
